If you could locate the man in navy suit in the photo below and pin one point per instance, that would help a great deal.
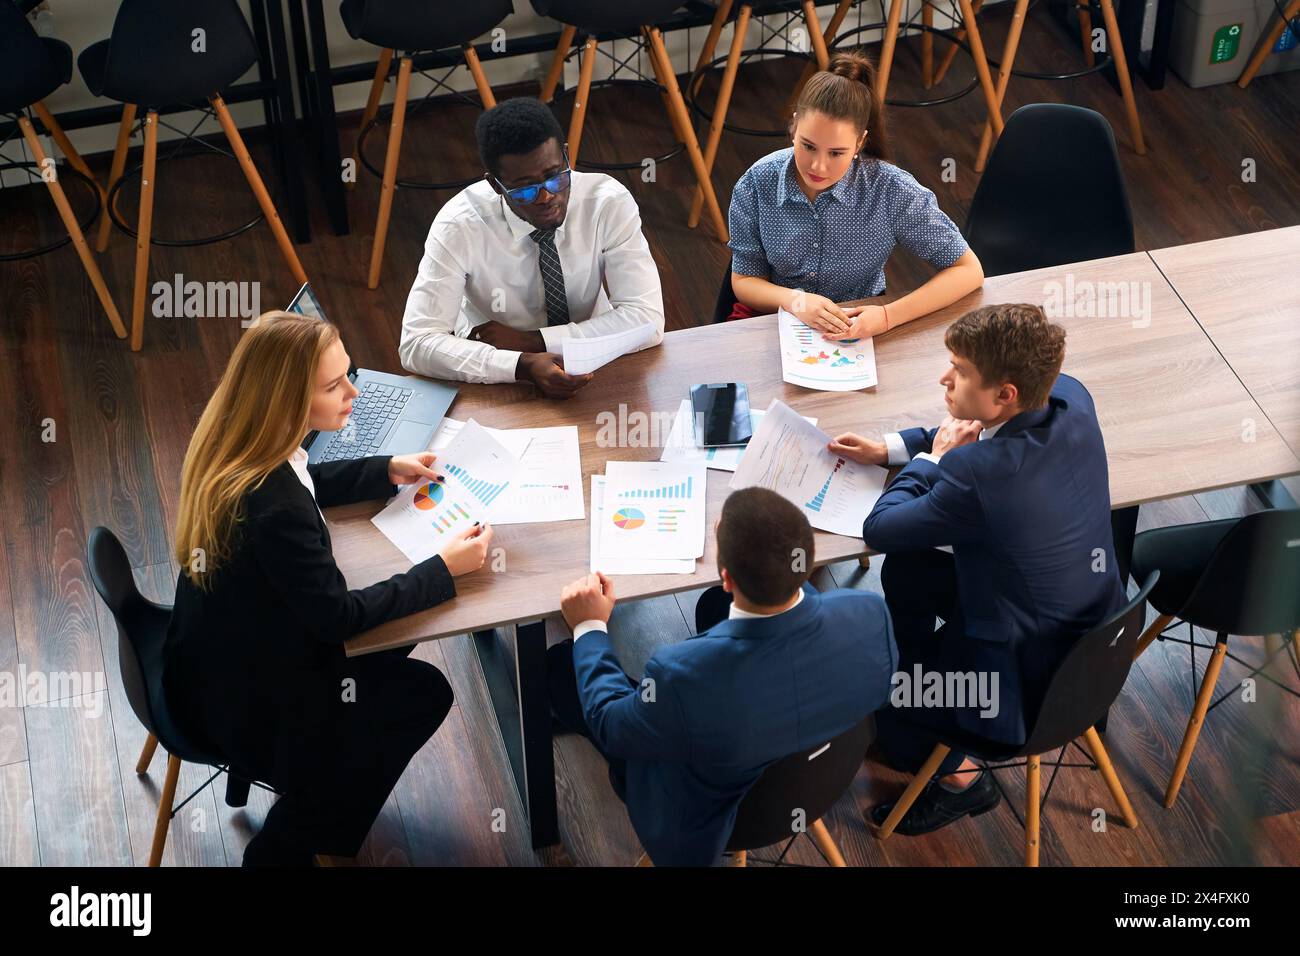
(778, 668)
(1013, 486)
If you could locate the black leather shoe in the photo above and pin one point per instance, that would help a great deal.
(936, 807)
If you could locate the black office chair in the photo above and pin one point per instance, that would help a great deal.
(1053, 193)
(156, 56)
(141, 634)
(31, 68)
(1236, 576)
(407, 27)
(726, 297)
(1081, 690)
(627, 19)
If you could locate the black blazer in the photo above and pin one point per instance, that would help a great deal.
(255, 665)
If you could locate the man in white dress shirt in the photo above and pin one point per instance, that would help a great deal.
(532, 255)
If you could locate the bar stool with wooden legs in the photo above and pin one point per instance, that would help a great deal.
(163, 53)
(401, 29)
(1234, 576)
(1268, 41)
(31, 68)
(1081, 690)
(593, 19)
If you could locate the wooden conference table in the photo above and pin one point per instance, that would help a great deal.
(1171, 410)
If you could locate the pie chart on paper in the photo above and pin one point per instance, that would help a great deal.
(428, 496)
(629, 519)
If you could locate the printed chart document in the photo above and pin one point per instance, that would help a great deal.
(789, 456)
(653, 509)
(681, 442)
(586, 355)
(810, 360)
(548, 485)
(600, 562)
(474, 471)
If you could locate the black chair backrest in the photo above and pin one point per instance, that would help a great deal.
(1090, 677)
(726, 298)
(1251, 584)
(616, 16)
(26, 65)
(141, 629)
(809, 781)
(153, 58)
(411, 25)
(1053, 192)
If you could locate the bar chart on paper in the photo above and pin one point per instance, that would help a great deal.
(485, 491)
(655, 510)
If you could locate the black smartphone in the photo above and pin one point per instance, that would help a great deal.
(720, 414)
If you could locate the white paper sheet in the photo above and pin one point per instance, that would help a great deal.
(810, 360)
(583, 355)
(789, 456)
(476, 470)
(625, 565)
(681, 442)
(653, 509)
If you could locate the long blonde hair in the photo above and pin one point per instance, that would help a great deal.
(253, 422)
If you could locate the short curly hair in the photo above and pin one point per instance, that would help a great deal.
(513, 127)
(1011, 343)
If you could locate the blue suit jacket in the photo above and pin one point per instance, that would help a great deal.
(1027, 513)
(726, 704)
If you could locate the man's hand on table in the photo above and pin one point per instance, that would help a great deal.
(590, 598)
(546, 371)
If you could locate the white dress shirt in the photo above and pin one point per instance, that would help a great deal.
(298, 462)
(734, 614)
(897, 448)
(480, 265)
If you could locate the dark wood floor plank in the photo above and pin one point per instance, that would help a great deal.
(19, 844)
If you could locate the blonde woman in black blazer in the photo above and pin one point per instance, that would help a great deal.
(254, 663)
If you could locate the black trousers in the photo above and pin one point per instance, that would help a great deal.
(399, 704)
(920, 587)
(712, 607)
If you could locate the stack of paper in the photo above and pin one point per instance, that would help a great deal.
(583, 355)
(790, 456)
(681, 442)
(809, 359)
(648, 517)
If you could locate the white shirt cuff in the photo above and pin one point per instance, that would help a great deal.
(927, 456)
(503, 364)
(896, 449)
(554, 335)
(585, 626)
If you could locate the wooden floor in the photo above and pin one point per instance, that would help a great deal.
(68, 791)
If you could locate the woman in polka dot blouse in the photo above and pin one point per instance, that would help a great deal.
(813, 225)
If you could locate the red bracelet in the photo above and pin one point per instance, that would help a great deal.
(886, 311)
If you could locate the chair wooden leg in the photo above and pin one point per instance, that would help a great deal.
(1195, 721)
(889, 41)
(742, 858)
(1116, 46)
(1085, 32)
(65, 145)
(389, 184)
(144, 229)
(645, 860)
(913, 791)
(259, 190)
(115, 171)
(165, 801)
(372, 104)
(927, 45)
(720, 108)
(720, 14)
(822, 837)
(832, 29)
(669, 80)
(585, 68)
(1267, 43)
(951, 52)
(1033, 799)
(74, 228)
(1151, 633)
(146, 754)
(1004, 77)
(556, 70)
(485, 94)
(982, 67)
(815, 36)
(1098, 751)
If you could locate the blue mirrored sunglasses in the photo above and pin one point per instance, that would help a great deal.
(528, 194)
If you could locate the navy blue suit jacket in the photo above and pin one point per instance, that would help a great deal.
(726, 704)
(1027, 513)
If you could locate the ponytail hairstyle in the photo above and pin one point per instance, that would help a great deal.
(846, 90)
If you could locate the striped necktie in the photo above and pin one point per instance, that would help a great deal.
(548, 260)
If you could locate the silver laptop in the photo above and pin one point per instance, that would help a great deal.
(391, 415)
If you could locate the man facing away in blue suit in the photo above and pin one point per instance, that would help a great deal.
(777, 668)
(1013, 487)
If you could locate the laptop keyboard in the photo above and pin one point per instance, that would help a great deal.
(374, 411)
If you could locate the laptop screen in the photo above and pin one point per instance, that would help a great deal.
(306, 303)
